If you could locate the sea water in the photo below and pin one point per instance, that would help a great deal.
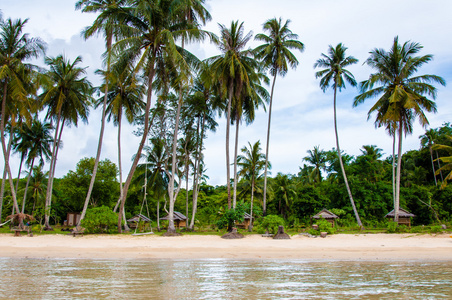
(222, 279)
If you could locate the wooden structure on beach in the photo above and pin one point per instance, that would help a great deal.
(404, 217)
(327, 215)
(246, 221)
(179, 220)
(72, 219)
(133, 222)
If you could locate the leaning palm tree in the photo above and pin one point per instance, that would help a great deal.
(232, 69)
(105, 24)
(67, 96)
(402, 96)
(251, 163)
(334, 73)
(15, 78)
(275, 54)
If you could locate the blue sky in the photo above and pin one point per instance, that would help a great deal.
(302, 113)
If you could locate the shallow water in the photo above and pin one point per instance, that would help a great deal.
(222, 279)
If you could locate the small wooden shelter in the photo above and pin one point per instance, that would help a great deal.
(246, 221)
(179, 220)
(327, 215)
(404, 217)
(72, 218)
(133, 222)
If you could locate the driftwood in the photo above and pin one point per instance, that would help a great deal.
(233, 235)
(281, 235)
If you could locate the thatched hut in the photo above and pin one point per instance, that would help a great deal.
(133, 222)
(404, 217)
(327, 215)
(179, 220)
(246, 221)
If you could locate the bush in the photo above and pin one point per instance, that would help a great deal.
(231, 216)
(100, 220)
(271, 223)
(324, 226)
(436, 229)
(392, 227)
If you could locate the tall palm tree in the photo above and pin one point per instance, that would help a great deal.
(105, 24)
(251, 163)
(153, 27)
(15, 78)
(124, 98)
(335, 74)
(232, 69)
(402, 96)
(67, 96)
(275, 54)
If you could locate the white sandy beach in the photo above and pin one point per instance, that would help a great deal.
(373, 247)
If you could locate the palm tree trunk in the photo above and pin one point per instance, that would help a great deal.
(228, 125)
(264, 209)
(439, 167)
(119, 160)
(28, 183)
(237, 125)
(101, 134)
(433, 165)
(399, 167)
(186, 189)
(251, 210)
(4, 148)
(197, 172)
(22, 157)
(172, 195)
(393, 169)
(342, 165)
(56, 147)
(2, 189)
(140, 147)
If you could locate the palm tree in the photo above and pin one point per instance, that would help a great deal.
(316, 158)
(15, 78)
(37, 140)
(401, 95)
(428, 139)
(251, 163)
(152, 29)
(104, 23)
(275, 54)
(334, 73)
(447, 160)
(68, 96)
(124, 98)
(284, 190)
(232, 69)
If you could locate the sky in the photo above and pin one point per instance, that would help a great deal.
(302, 115)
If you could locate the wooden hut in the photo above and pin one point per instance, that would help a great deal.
(179, 220)
(327, 215)
(72, 219)
(246, 221)
(404, 217)
(133, 222)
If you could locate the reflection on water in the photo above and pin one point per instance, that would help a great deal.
(223, 279)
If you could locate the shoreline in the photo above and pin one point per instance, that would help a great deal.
(345, 247)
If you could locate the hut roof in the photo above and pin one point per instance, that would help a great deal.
(246, 216)
(177, 216)
(138, 217)
(326, 214)
(402, 213)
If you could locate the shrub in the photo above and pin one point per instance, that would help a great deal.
(271, 223)
(325, 226)
(100, 220)
(231, 216)
(436, 229)
(392, 227)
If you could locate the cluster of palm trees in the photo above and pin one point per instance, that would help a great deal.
(146, 57)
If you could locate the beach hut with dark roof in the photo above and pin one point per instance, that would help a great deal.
(404, 217)
(133, 222)
(327, 215)
(246, 221)
(179, 220)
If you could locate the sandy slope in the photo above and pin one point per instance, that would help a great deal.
(340, 246)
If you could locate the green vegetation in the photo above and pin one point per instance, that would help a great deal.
(146, 56)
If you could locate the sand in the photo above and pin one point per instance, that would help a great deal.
(367, 247)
